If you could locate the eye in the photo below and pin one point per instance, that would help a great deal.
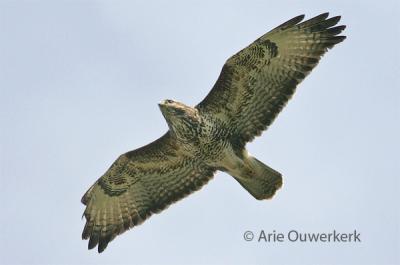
(168, 101)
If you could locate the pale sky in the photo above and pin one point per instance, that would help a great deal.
(79, 85)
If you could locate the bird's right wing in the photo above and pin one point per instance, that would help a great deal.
(139, 183)
(257, 82)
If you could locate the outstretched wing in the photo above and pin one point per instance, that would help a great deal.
(139, 183)
(257, 82)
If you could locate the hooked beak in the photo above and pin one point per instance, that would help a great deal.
(164, 102)
(161, 103)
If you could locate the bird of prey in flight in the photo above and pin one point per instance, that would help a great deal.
(253, 87)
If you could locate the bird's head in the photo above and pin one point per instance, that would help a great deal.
(180, 118)
(173, 108)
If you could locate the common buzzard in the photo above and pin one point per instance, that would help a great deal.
(253, 87)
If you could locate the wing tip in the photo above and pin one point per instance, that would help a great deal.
(103, 242)
(336, 30)
(299, 17)
(322, 16)
(334, 20)
(93, 240)
(96, 238)
(337, 39)
(319, 19)
(291, 22)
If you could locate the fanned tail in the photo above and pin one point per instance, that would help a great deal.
(262, 181)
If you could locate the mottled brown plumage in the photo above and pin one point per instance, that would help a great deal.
(251, 90)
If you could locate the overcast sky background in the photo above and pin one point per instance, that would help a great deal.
(79, 85)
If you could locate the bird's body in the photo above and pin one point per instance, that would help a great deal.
(251, 90)
(204, 138)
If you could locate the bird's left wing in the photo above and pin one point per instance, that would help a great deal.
(139, 183)
(256, 83)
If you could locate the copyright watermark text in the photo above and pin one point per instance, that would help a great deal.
(300, 236)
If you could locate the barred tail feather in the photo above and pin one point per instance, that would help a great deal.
(263, 181)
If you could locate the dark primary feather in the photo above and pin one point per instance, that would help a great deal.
(138, 184)
(256, 83)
